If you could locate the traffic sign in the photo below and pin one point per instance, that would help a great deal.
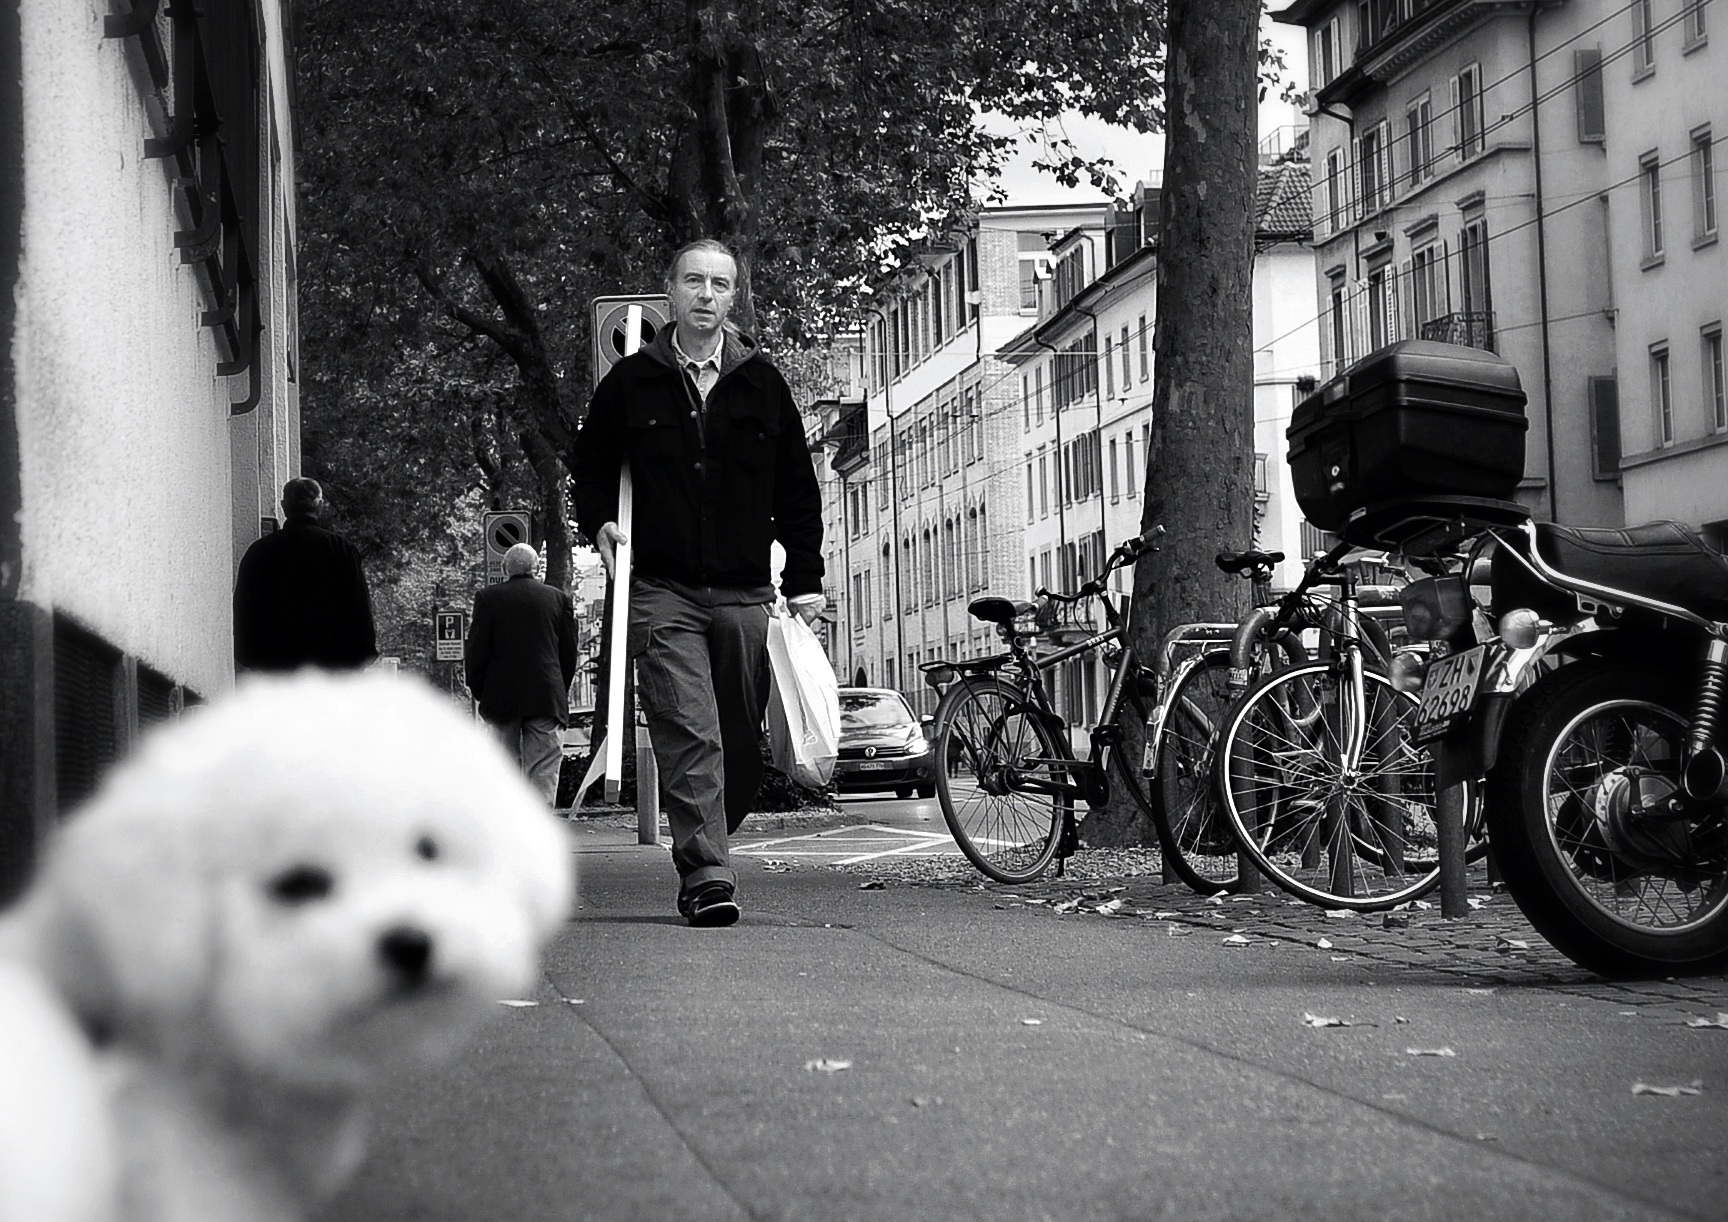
(502, 529)
(624, 324)
(452, 631)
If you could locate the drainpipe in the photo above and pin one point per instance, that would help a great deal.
(893, 504)
(1542, 279)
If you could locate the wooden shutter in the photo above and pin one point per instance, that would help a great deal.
(1410, 327)
(1457, 122)
(1587, 72)
(1605, 427)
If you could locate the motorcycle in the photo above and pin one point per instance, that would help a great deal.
(1582, 674)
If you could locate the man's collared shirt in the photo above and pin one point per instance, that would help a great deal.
(703, 373)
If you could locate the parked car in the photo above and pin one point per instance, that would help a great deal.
(578, 735)
(882, 745)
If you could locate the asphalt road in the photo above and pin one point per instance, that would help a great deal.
(951, 1052)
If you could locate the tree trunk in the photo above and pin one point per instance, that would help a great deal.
(554, 484)
(1200, 471)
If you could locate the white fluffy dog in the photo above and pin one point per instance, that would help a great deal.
(275, 899)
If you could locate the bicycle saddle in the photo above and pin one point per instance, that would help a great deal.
(1240, 562)
(999, 610)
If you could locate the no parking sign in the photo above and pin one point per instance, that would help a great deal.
(503, 529)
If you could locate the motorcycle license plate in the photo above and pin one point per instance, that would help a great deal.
(1449, 692)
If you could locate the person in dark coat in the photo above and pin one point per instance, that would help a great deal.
(300, 598)
(720, 470)
(520, 658)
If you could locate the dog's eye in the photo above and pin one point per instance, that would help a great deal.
(427, 848)
(299, 884)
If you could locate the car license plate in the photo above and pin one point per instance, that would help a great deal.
(1449, 692)
(875, 765)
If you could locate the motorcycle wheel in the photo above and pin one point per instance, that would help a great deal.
(1614, 893)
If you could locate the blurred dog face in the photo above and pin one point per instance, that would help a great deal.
(317, 876)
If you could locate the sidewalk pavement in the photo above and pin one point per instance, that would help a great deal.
(896, 1040)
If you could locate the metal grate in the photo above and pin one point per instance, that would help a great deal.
(86, 733)
(155, 697)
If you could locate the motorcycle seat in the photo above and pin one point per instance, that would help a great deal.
(1242, 562)
(1667, 561)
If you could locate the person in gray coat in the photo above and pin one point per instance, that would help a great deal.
(520, 658)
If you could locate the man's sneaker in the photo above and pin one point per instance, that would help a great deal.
(710, 906)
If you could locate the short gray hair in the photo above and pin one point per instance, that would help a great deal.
(301, 495)
(521, 558)
(713, 245)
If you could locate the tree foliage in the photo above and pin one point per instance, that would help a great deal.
(473, 175)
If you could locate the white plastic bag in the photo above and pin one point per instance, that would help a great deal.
(803, 703)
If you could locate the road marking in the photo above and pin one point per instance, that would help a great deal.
(851, 845)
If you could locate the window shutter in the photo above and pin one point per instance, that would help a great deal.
(1587, 71)
(1446, 275)
(1361, 331)
(1355, 189)
(1605, 426)
(1457, 122)
(1407, 302)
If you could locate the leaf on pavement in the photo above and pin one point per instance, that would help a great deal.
(1178, 931)
(1429, 1052)
(1236, 939)
(1109, 907)
(1423, 904)
(1342, 958)
(1340, 914)
(516, 1002)
(1506, 945)
(926, 1100)
(1031, 1022)
(1319, 1020)
(826, 1065)
(1721, 1020)
(1479, 992)
(1164, 916)
(775, 865)
(872, 884)
(1324, 943)
(1394, 920)
(576, 1001)
(1476, 901)
(1669, 1092)
(1399, 1018)
(1067, 906)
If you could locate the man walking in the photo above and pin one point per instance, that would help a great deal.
(720, 470)
(520, 658)
(300, 598)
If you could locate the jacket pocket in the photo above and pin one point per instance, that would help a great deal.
(653, 434)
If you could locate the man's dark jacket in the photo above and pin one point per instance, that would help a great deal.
(521, 652)
(715, 484)
(300, 600)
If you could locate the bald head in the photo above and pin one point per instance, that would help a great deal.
(520, 559)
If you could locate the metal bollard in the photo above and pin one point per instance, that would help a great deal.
(1449, 823)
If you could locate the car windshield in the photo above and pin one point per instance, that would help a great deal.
(872, 711)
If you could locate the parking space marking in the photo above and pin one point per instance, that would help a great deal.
(851, 845)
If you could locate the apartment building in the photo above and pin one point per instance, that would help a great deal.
(1660, 128)
(148, 385)
(1446, 135)
(924, 468)
(1084, 374)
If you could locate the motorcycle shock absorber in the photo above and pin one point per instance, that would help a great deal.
(1704, 772)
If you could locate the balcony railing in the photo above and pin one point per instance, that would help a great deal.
(1473, 330)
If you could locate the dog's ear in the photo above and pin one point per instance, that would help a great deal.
(119, 920)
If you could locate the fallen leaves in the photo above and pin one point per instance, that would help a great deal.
(1429, 1052)
(776, 865)
(1506, 945)
(1318, 1020)
(1031, 1022)
(518, 1003)
(826, 1065)
(1237, 939)
(1324, 944)
(872, 884)
(1720, 1021)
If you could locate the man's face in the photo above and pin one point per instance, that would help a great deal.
(703, 287)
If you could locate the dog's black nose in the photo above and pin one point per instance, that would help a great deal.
(408, 952)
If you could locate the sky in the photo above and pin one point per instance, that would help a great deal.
(1138, 157)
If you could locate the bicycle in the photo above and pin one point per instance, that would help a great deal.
(1319, 775)
(1009, 778)
(1182, 741)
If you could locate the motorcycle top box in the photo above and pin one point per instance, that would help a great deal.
(1414, 418)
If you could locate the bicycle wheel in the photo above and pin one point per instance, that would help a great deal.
(999, 788)
(1361, 838)
(1193, 830)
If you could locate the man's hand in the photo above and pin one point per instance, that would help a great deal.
(808, 606)
(607, 540)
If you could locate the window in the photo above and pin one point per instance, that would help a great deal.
(1715, 377)
(1326, 53)
(1467, 111)
(1145, 357)
(1371, 166)
(1650, 180)
(1418, 122)
(1038, 393)
(1662, 395)
(1110, 366)
(928, 572)
(1605, 427)
(1643, 39)
(1340, 304)
(1033, 253)
(1380, 299)
(887, 578)
(1474, 282)
(1043, 486)
(1115, 481)
(1134, 472)
(1031, 504)
(1703, 185)
(1123, 349)
(1026, 402)
(1334, 190)
(1587, 73)
(1426, 287)
(938, 310)
(975, 414)
(1695, 27)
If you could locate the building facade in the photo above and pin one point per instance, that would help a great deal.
(148, 381)
(1538, 180)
